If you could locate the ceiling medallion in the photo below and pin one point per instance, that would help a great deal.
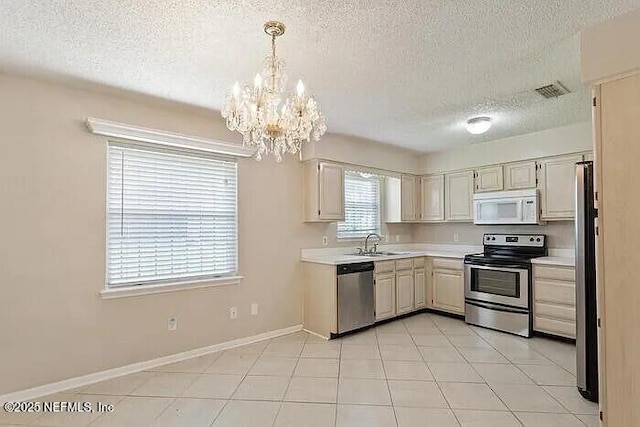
(266, 121)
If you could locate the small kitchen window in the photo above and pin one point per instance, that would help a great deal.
(171, 216)
(361, 205)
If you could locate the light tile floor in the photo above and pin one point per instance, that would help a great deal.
(425, 370)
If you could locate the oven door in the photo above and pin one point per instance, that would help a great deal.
(507, 285)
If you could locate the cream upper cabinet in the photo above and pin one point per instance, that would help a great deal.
(459, 196)
(557, 187)
(448, 290)
(488, 179)
(324, 192)
(419, 284)
(409, 195)
(385, 295)
(521, 175)
(404, 291)
(432, 198)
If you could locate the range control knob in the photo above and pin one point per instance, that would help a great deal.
(493, 238)
(538, 239)
(531, 239)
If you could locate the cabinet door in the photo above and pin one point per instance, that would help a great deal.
(488, 179)
(408, 197)
(385, 296)
(404, 291)
(331, 191)
(557, 187)
(518, 176)
(448, 291)
(432, 197)
(459, 196)
(419, 284)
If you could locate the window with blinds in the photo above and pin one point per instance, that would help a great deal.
(172, 215)
(361, 205)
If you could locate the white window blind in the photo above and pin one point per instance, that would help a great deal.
(171, 215)
(361, 205)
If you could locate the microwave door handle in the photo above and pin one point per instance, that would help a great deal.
(520, 211)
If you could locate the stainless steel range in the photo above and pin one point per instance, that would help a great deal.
(498, 282)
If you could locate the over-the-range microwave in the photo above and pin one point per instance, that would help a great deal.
(506, 207)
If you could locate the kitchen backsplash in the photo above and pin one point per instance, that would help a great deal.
(560, 234)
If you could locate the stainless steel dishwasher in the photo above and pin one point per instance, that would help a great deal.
(356, 302)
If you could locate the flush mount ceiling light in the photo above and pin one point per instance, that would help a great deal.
(266, 121)
(478, 125)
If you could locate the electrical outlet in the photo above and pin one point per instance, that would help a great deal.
(254, 309)
(172, 323)
(456, 237)
(325, 240)
(233, 313)
(397, 238)
(386, 238)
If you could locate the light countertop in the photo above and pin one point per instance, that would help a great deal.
(335, 256)
(555, 260)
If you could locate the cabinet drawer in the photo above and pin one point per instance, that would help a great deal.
(560, 312)
(404, 264)
(562, 328)
(448, 263)
(418, 263)
(557, 273)
(554, 291)
(385, 266)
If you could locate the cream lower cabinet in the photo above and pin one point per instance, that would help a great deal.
(385, 295)
(420, 285)
(447, 286)
(554, 293)
(404, 291)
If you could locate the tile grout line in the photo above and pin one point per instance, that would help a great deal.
(236, 388)
(304, 343)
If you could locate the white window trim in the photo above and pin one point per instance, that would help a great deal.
(155, 136)
(165, 138)
(151, 289)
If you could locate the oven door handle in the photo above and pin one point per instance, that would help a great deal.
(504, 267)
(496, 307)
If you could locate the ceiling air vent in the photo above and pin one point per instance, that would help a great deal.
(553, 90)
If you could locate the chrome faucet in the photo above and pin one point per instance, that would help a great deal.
(375, 245)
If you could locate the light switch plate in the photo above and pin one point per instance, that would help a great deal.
(254, 309)
(233, 313)
(325, 240)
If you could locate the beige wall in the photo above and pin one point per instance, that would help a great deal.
(560, 233)
(364, 152)
(550, 142)
(610, 48)
(52, 244)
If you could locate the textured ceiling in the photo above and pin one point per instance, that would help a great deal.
(409, 73)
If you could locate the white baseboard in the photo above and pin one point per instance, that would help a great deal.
(315, 333)
(88, 379)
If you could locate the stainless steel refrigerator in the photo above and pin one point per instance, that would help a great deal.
(586, 294)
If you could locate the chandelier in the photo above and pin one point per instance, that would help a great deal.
(266, 121)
